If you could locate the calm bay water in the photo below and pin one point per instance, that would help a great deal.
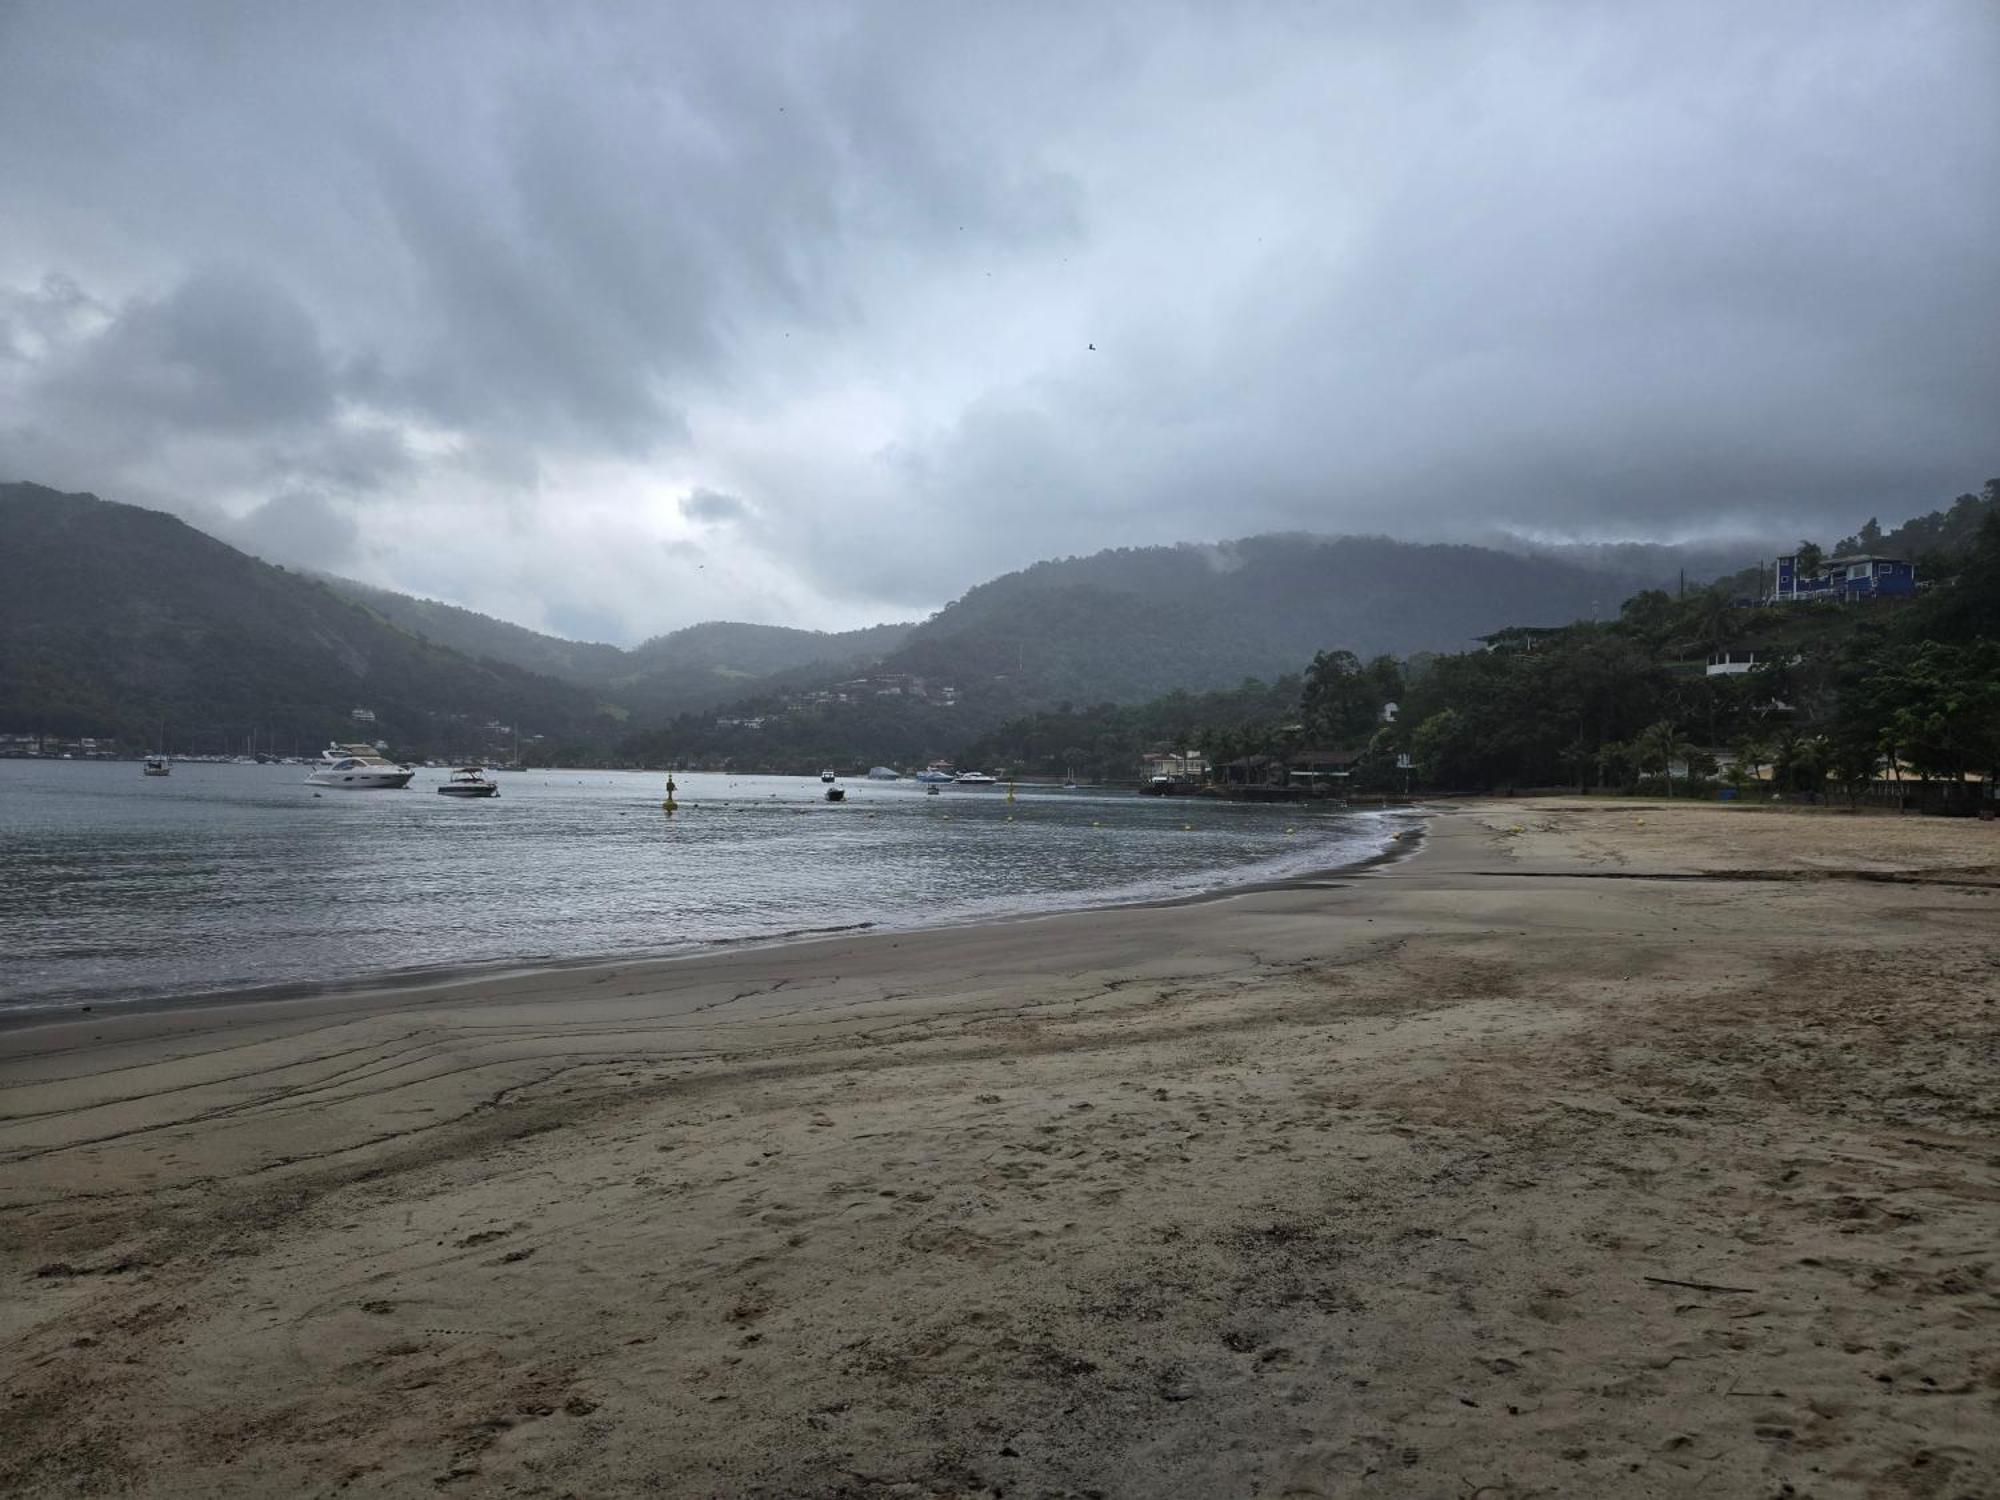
(117, 887)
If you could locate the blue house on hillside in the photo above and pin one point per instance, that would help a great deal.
(1844, 579)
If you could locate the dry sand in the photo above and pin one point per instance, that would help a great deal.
(1550, 1161)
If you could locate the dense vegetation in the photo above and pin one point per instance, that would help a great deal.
(693, 668)
(119, 621)
(1134, 623)
(1118, 626)
(1845, 695)
(127, 623)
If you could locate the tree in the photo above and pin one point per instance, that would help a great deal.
(1660, 745)
(1440, 748)
(1752, 755)
(1617, 764)
(1340, 702)
(1800, 763)
(1809, 560)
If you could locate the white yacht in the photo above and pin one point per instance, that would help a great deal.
(158, 765)
(358, 768)
(974, 778)
(469, 781)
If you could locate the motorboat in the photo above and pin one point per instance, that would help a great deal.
(469, 781)
(836, 794)
(158, 765)
(358, 768)
(938, 772)
(827, 776)
(884, 773)
(974, 778)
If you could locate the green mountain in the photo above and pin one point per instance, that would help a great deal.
(120, 621)
(476, 635)
(694, 668)
(114, 619)
(1134, 623)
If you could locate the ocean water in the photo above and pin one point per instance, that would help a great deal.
(117, 887)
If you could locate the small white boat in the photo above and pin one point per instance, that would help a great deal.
(938, 771)
(469, 781)
(827, 776)
(974, 778)
(357, 768)
(158, 765)
(884, 773)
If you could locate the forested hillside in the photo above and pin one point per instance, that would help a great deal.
(1130, 624)
(116, 620)
(1844, 694)
(693, 668)
(127, 622)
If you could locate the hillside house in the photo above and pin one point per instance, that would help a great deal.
(1844, 579)
(1732, 662)
(1174, 765)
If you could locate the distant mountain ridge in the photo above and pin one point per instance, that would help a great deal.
(694, 667)
(1132, 623)
(1125, 624)
(125, 621)
(114, 615)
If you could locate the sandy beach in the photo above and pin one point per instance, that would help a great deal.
(1596, 1149)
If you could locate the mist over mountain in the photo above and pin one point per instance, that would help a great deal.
(694, 667)
(1132, 623)
(116, 618)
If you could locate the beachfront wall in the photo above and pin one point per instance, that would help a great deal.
(1845, 578)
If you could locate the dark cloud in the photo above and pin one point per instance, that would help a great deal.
(712, 507)
(223, 349)
(563, 299)
(299, 527)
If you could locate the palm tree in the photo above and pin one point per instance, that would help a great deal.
(1661, 745)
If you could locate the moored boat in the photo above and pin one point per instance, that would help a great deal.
(974, 778)
(158, 765)
(358, 768)
(469, 781)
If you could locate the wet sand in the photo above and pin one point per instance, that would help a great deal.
(1597, 1149)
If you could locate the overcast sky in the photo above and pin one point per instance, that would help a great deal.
(611, 319)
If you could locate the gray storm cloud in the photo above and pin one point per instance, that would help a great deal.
(520, 307)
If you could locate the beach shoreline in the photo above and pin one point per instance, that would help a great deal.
(1466, 1169)
(403, 982)
(417, 927)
